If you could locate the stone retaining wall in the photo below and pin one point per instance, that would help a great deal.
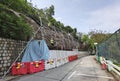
(9, 50)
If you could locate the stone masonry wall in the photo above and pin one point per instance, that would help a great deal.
(9, 50)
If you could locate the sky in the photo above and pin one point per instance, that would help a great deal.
(85, 15)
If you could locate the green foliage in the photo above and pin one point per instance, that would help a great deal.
(88, 42)
(85, 38)
(12, 26)
(68, 29)
(116, 63)
(46, 16)
(17, 5)
(98, 35)
(52, 21)
(79, 35)
(23, 7)
(49, 11)
(110, 49)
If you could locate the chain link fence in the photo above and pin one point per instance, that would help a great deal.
(110, 48)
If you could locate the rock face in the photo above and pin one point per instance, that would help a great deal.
(62, 40)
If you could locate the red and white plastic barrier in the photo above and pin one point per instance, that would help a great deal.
(19, 68)
(51, 62)
(56, 59)
(73, 57)
(35, 66)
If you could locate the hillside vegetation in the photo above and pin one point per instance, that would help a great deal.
(12, 26)
(19, 20)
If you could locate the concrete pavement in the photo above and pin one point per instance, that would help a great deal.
(84, 69)
(88, 70)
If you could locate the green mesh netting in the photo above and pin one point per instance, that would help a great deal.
(110, 48)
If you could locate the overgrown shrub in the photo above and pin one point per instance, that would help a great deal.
(12, 26)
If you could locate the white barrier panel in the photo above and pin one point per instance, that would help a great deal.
(65, 56)
(62, 57)
(53, 58)
(58, 58)
(51, 62)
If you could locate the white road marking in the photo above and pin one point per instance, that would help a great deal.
(95, 76)
(71, 74)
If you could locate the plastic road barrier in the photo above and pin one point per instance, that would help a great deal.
(36, 66)
(19, 68)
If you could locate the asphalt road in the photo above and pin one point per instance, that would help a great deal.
(85, 69)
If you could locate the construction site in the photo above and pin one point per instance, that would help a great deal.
(34, 46)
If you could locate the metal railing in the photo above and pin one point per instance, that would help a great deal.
(113, 67)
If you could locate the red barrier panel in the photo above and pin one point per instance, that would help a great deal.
(13, 69)
(70, 58)
(31, 67)
(19, 68)
(39, 66)
(36, 66)
(73, 57)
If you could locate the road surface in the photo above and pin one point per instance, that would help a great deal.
(85, 69)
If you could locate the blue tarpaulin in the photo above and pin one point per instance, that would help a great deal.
(36, 51)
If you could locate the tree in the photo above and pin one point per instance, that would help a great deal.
(18, 5)
(52, 21)
(75, 30)
(68, 29)
(98, 35)
(87, 42)
(49, 12)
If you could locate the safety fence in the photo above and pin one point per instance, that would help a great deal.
(9, 50)
(108, 54)
(110, 48)
(56, 59)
